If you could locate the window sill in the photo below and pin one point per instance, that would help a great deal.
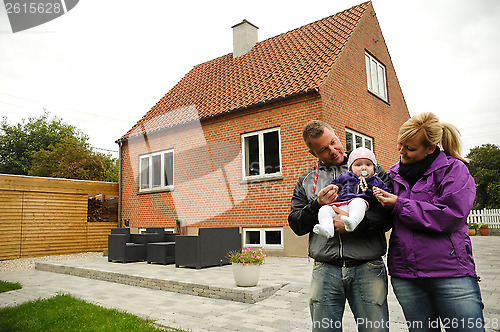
(379, 97)
(154, 191)
(270, 247)
(272, 177)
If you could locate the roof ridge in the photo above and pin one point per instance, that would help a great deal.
(286, 32)
(318, 20)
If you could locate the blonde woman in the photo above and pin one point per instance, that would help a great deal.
(430, 254)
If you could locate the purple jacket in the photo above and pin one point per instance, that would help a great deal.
(429, 235)
(348, 184)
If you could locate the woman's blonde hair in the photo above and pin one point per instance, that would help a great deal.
(435, 133)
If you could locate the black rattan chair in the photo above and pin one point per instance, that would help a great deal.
(125, 247)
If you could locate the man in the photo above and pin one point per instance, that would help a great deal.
(348, 266)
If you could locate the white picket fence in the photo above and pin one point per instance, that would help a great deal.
(485, 216)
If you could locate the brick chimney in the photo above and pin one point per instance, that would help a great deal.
(244, 38)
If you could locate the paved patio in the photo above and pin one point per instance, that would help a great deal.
(208, 300)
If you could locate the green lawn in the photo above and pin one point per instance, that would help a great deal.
(66, 313)
(6, 286)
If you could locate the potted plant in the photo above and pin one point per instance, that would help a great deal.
(484, 229)
(472, 228)
(246, 266)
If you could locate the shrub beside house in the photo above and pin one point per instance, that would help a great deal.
(224, 146)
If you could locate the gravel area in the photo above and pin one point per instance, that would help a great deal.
(22, 264)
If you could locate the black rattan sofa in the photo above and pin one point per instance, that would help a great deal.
(208, 248)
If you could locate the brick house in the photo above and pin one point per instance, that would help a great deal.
(224, 146)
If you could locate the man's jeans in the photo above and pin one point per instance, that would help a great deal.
(364, 286)
(457, 301)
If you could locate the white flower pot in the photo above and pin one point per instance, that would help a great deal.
(246, 275)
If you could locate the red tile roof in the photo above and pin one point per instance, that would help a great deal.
(290, 63)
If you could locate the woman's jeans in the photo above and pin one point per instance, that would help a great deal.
(428, 303)
(364, 286)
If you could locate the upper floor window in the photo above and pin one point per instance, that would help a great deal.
(156, 170)
(354, 140)
(261, 154)
(375, 77)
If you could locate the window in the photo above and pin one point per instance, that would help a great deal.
(375, 76)
(261, 154)
(270, 238)
(354, 140)
(156, 171)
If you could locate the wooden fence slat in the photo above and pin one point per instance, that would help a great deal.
(10, 224)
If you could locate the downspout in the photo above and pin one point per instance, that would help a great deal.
(120, 185)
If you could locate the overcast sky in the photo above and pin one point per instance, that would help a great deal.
(104, 64)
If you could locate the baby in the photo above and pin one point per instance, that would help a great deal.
(354, 193)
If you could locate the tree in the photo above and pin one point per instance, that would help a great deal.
(69, 159)
(19, 142)
(485, 168)
(52, 148)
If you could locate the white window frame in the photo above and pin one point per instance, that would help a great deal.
(244, 155)
(162, 185)
(262, 242)
(166, 229)
(376, 77)
(364, 140)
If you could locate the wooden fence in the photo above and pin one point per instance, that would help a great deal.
(46, 216)
(491, 217)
